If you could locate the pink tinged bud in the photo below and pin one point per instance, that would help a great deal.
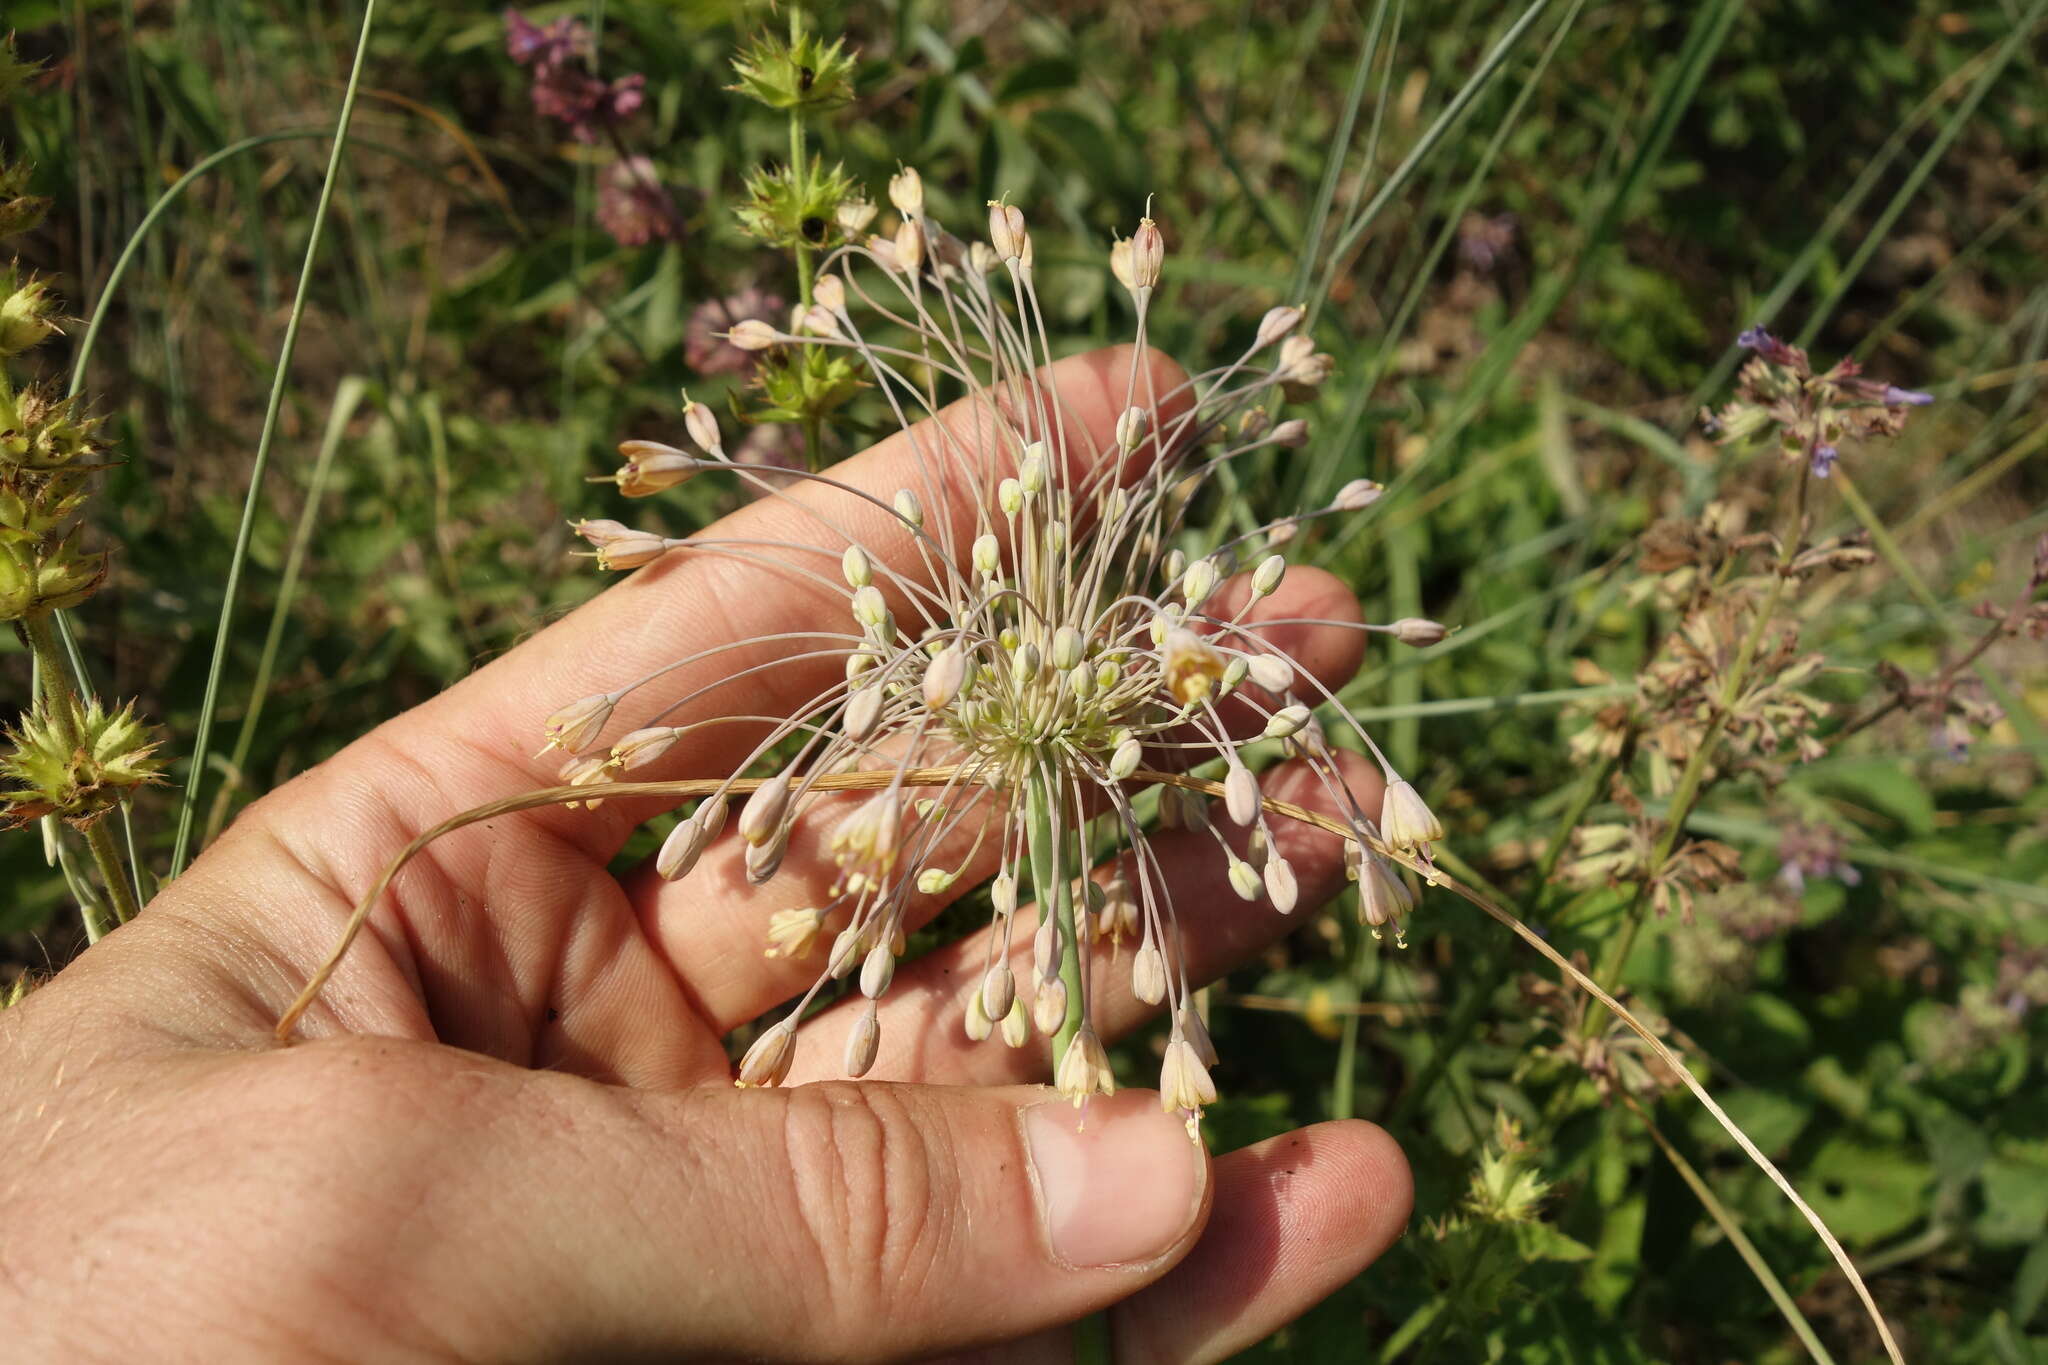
(1084, 1070)
(1287, 722)
(752, 334)
(1183, 1081)
(906, 192)
(1414, 630)
(1148, 250)
(639, 748)
(1382, 899)
(943, 677)
(767, 1061)
(652, 468)
(1293, 434)
(1049, 1005)
(883, 249)
(630, 552)
(1277, 323)
(1045, 950)
(1148, 974)
(1245, 880)
(864, 713)
(830, 293)
(845, 952)
(854, 215)
(1190, 1026)
(1405, 822)
(1006, 231)
(910, 246)
(584, 772)
(998, 991)
(978, 1024)
(877, 971)
(702, 425)
(863, 1041)
(1240, 793)
(577, 724)
(1281, 886)
(687, 841)
(1356, 495)
(762, 815)
(820, 322)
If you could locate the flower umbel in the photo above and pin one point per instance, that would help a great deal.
(1028, 647)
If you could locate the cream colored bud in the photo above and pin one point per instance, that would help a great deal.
(906, 192)
(1233, 673)
(908, 508)
(1054, 537)
(988, 555)
(752, 334)
(1148, 974)
(863, 1041)
(1198, 582)
(1148, 250)
(1010, 497)
(1282, 531)
(1131, 429)
(1006, 232)
(829, 291)
(1273, 672)
(1266, 578)
(1287, 722)
(1120, 263)
(883, 249)
(1017, 1025)
(1127, 756)
(1067, 647)
(1188, 1023)
(1081, 681)
(853, 216)
(1024, 664)
(1277, 323)
(859, 662)
(943, 677)
(978, 1024)
(1282, 888)
(863, 713)
(1107, 675)
(1084, 1070)
(639, 748)
(818, 321)
(1049, 1006)
(576, 725)
(1291, 434)
(1002, 893)
(1357, 495)
(877, 971)
(767, 1061)
(1183, 1081)
(847, 946)
(1414, 630)
(702, 425)
(1405, 821)
(998, 990)
(1176, 564)
(1382, 900)
(870, 608)
(856, 566)
(910, 245)
(762, 815)
(1240, 793)
(935, 881)
(1244, 879)
(1031, 468)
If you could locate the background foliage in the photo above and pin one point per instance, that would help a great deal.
(1526, 328)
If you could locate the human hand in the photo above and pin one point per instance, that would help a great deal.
(511, 1132)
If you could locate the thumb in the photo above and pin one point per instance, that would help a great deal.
(857, 1221)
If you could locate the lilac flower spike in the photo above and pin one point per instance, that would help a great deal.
(1912, 398)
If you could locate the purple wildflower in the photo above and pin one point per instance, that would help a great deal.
(529, 44)
(1755, 338)
(1483, 239)
(1912, 398)
(1809, 852)
(564, 87)
(1824, 457)
(634, 208)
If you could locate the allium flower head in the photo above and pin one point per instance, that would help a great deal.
(1035, 655)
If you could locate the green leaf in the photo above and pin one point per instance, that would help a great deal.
(1039, 76)
(1885, 785)
(2031, 1284)
(1867, 1193)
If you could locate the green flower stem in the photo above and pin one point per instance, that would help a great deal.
(61, 706)
(196, 775)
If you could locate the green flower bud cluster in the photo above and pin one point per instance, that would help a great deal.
(77, 766)
(801, 72)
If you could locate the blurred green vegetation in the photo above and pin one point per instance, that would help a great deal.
(1527, 317)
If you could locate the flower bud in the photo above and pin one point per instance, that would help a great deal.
(988, 556)
(998, 991)
(1049, 1005)
(1017, 1023)
(1414, 630)
(870, 608)
(1240, 793)
(1148, 250)
(1010, 497)
(752, 334)
(1084, 1070)
(1198, 582)
(1282, 888)
(910, 245)
(1292, 434)
(1120, 263)
(1067, 646)
(863, 713)
(829, 291)
(1405, 821)
(906, 192)
(857, 568)
(1183, 1081)
(1273, 672)
(1277, 323)
(863, 1041)
(907, 507)
(1127, 756)
(639, 748)
(1002, 894)
(1287, 722)
(767, 1061)
(877, 971)
(846, 950)
(853, 216)
(1006, 231)
(1131, 429)
(944, 676)
(935, 881)
(702, 426)
(1266, 578)
(1148, 974)
(765, 859)
(762, 815)
(652, 467)
(1031, 468)
(978, 1024)
(574, 726)
(1244, 879)
(1358, 494)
